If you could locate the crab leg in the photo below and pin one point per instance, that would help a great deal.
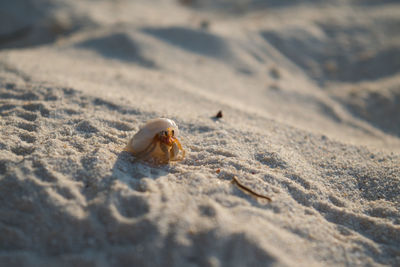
(176, 141)
(174, 151)
(164, 148)
(149, 149)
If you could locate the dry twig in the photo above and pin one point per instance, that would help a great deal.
(248, 190)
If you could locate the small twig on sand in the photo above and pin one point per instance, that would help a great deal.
(248, 190)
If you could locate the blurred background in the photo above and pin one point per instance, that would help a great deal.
(312, 64)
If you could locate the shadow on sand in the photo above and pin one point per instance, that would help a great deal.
(118, 46)
(126, 168)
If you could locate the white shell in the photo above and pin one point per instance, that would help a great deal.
(142, 139)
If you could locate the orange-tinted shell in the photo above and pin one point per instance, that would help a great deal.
(142, 139)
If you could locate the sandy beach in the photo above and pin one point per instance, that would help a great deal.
(310, 99)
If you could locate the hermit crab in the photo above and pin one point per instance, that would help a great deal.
(156, 141)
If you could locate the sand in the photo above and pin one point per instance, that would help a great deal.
(310, 96)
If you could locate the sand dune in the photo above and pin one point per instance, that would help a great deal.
(310, 97)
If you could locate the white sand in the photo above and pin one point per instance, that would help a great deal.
(310, 94)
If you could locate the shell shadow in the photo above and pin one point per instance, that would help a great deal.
(126, 168)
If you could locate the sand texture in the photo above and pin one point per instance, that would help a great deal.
(310, 97)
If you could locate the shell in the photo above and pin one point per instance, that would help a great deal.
(142, 139)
